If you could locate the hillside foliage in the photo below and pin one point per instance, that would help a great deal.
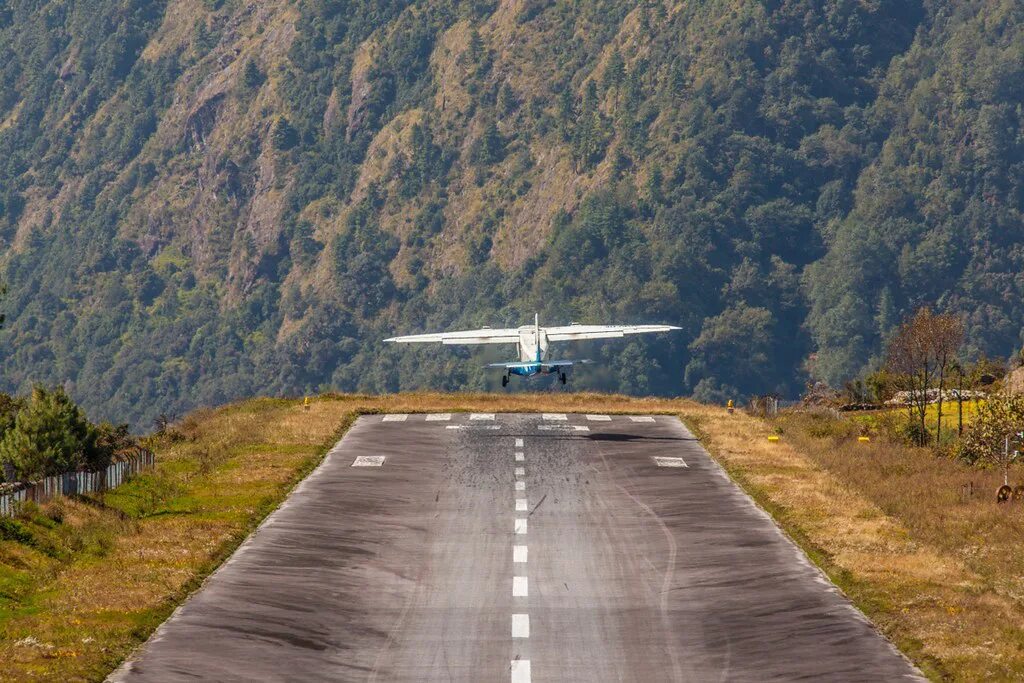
(203, 200)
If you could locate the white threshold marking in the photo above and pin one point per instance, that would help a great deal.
(599, 418)
(554, 416)
(396, 417)
(520, 625)
(520, 553)
(520, 457)
(519, 443)
(522, 505)
(520, 471)
(520, 587)
(641, 418)
(520, 486)
(439, 417)
(520, 671)
(481, 416)
(662, 461)
(368, 461)
(521, 526)
(565, 428)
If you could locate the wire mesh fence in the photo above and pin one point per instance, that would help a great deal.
(74, 483)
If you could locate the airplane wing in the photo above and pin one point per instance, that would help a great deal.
(482, 336)
(578, 332)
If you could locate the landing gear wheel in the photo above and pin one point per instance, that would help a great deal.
(562, 378)
(504, 380)
(1003, 493)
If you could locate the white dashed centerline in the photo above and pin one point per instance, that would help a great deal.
(520, 625)
(481, 416)
(520, 668)
(520, 671)
(439, 417)
(641, 418)
(395, 418)
(599, 418)
(554, 416)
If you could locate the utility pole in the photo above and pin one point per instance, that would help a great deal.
(960, 401)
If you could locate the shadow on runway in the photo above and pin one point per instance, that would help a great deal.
(634, 437)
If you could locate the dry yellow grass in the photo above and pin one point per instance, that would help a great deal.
(74, 618)
(936, 569)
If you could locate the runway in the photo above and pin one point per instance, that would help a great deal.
(481, 547)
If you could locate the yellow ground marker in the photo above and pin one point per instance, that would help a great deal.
(864, 439)
(774, 438)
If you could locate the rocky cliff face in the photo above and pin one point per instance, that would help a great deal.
(203, 199)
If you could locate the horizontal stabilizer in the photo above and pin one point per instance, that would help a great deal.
(546, 365)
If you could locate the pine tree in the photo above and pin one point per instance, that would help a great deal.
(50, 436)
(284, 136)
(252, 77)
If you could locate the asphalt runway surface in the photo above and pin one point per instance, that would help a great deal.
(517, 548)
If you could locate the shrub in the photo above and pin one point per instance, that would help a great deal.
(984, 439)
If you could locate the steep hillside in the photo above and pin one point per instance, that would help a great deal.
(203, 199)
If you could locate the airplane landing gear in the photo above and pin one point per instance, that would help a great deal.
(562, 378)
(504, 380)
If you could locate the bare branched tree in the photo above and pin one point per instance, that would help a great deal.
(947, 335)
(919, 354)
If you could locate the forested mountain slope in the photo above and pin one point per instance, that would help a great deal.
(205, 199)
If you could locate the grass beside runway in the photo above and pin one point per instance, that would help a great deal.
(83, 583)
(938, 570)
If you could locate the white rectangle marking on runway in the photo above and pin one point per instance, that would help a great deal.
(554, 416)
(520, 671)
(368, 461)
(439, 417)
(521, 505)
(564, 428)
(641, 418)
(520, 625)
(520, 471)
(520, 554)
(481, 416)
(519, 443)
(521, 526)
(599, 418)
(395, 418)
(520, 587)
(520, 486)
(472, 426)
(670, 462)
(520, 457)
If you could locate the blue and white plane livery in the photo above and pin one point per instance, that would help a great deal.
(533, 343)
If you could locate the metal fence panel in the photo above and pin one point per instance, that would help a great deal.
(75, 483)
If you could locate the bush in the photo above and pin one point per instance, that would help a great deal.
(983, 442)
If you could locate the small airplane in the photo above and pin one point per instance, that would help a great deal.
(533, 343)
